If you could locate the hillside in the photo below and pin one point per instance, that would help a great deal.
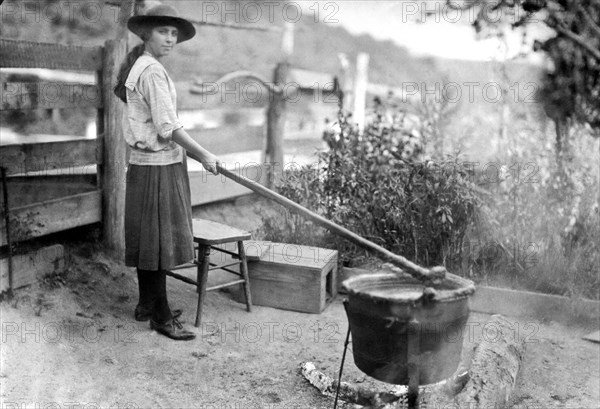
(218, 50)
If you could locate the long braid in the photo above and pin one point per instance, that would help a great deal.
(120, 90)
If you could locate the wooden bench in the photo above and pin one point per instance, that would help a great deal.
(209, 235)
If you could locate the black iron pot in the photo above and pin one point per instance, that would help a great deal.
(400, 330)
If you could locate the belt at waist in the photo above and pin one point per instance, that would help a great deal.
(164, 157)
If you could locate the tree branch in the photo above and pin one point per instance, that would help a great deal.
(577, 39)
(588, 19)
(552, 8)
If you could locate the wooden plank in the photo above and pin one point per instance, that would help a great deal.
(49, 95)
(111, 173)
(27, 268)
(39, 219)
(230, 139)
(290, 273)
(28, 54)
(286, 254)
(23, 190)
(45, 74)
(32, 157)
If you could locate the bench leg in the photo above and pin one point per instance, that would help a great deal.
(203, 265)
(244, 268)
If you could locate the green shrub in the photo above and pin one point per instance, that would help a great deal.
(375, 184)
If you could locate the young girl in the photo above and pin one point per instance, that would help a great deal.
(158, 215)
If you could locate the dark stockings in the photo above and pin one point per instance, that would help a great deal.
(153, 294)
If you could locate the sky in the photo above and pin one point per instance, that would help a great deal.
(447, 33)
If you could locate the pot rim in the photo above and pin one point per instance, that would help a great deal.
(463, 287)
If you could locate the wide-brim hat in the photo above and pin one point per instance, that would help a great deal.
(162, 15)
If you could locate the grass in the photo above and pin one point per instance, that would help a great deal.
(551, 226)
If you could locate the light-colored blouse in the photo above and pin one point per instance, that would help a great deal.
(151, 114)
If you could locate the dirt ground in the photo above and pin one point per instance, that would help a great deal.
(71, 341)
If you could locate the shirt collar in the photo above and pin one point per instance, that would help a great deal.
(143, 62)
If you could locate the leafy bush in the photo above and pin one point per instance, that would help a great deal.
(375, 184)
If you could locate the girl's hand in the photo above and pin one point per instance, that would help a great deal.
(210, 163)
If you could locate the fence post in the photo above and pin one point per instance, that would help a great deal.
(345, 82)
(360, 89)
(114, 163)
(276, 125)
(287, 40)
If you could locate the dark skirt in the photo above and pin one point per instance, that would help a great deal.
(158, 217)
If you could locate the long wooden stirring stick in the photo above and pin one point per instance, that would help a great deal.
(433, 275)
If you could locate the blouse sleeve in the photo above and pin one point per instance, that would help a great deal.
(154, 86)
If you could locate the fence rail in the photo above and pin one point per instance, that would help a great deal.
(51, 216)
(27, 54)
(32, 157)
(49, 95)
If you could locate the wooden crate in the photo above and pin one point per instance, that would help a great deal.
(293, 277)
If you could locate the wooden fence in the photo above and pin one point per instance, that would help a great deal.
(41, 203)
(249, 135)
(58, 185)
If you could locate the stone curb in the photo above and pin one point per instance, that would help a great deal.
(542, 307)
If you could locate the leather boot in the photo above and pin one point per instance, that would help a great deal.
(172, 329)
(163, 321)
